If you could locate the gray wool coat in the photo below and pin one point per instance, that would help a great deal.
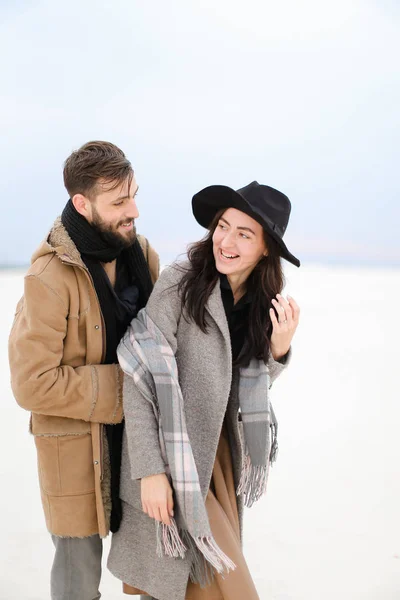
(210, 394)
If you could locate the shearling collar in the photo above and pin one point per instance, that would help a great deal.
(59, 242)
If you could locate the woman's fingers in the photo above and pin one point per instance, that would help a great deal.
(156, 495)
(170, 504)
(280, 309)
(286, 306)
(153, 511)
(159, 504)
(295, 308)
(164, 516)
(284, 318)
(158, 512)
(275, 304)
(274, 320)
(288, 310)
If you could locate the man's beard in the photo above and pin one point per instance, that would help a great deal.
(109, 234)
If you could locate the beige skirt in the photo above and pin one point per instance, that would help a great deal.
(224, 522)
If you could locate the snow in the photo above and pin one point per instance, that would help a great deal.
(329, 526)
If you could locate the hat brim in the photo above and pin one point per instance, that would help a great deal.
(209, 201)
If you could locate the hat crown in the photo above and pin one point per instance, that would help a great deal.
(269, 204)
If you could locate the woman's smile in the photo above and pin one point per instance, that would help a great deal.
(228, 256)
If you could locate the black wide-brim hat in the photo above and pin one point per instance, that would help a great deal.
(267, 206)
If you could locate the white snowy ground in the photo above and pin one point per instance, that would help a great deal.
(329, 527)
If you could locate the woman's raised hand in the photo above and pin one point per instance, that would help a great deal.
(157, 499)
(283, 326)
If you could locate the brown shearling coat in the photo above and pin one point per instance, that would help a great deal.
(56, 348)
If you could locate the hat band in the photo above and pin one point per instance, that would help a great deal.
(274, 227)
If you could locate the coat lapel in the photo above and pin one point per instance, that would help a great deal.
(215, 308)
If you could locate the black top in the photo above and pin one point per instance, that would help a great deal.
(237, 315)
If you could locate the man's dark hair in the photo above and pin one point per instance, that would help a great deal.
(92, 162)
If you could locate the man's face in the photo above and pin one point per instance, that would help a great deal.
(113, 212)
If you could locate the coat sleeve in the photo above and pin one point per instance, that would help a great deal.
(141, 433)
(275, 367)
(39, 380)
(164, 308)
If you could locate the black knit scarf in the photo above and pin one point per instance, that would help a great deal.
(95, 250)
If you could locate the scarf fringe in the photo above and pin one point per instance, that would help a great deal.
(253, 482)
(204, 552)
(169, 541)
(214, 555)
(201, 572)
(274, 445)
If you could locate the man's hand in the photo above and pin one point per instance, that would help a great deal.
(157, 499)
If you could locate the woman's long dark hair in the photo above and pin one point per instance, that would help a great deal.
(265, 281)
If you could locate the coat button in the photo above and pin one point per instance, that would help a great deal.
(97, 326)
(96, 462)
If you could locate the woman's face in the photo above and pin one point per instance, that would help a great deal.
(238, 244)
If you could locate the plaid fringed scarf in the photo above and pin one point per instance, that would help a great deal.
(145, 355)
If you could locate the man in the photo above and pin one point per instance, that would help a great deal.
(85, 284)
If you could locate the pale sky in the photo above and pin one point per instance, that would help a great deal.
(303, 96)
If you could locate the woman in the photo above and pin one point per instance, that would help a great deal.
(200, 431)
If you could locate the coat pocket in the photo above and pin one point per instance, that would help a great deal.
(50, 425)
(65, 464)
